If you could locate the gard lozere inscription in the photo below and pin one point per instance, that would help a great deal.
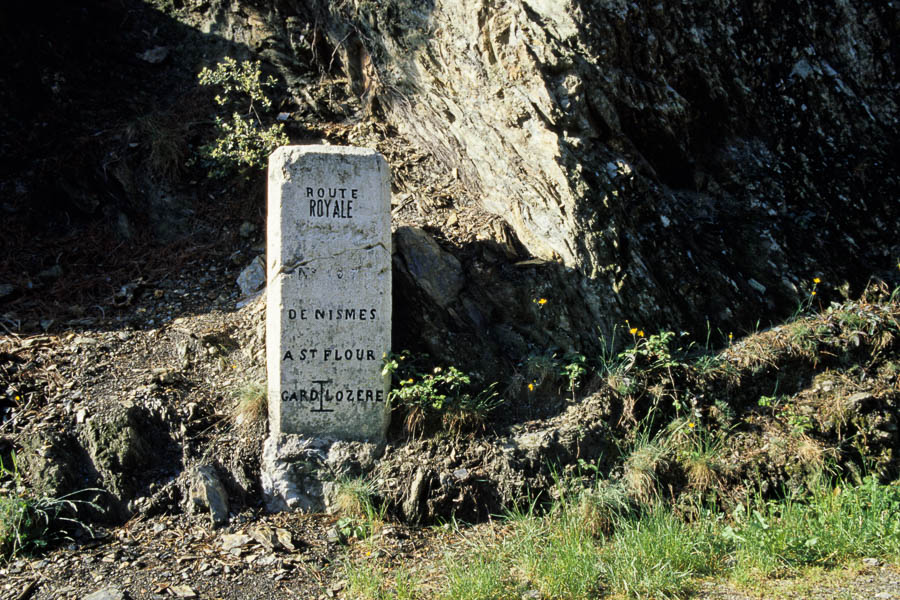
(328, 316)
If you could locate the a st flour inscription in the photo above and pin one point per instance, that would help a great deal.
(328, 319)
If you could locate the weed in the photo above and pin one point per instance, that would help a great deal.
(608, 360)
(252, 405)
(602, 506)
(165, 138)
(573, 370)
(644, 460)
(29, 523)
(243, 142)
(443, 396)
(355, 501)
(542, 370)
(698, 451)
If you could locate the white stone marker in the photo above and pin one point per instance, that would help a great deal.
(328, 319)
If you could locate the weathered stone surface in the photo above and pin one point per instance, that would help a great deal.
(120, 444)
(329, 292)
(252, 277)
(302, 473)
(687, 160)
(208, 494)
(110, 593)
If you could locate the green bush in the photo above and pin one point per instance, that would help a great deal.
(243, 142)
(443, 397)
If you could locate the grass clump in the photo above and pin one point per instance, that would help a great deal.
(252, 404)
(29, 523)
(361, 514)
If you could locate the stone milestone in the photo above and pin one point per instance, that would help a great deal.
(328, 321)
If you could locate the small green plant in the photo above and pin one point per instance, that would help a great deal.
(442, 397)
(243, 142)
(771, 402)
(573, 370)
(653, 353)
(29, 523)
(355, 502)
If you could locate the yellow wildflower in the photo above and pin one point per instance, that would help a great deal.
(691, 424)
(641, 333)
(542, 301)
(813, 293)
(633, 330)
(530, 387)
(817, 281)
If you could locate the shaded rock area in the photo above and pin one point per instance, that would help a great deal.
(691, 168)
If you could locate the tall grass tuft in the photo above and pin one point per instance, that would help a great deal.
(834, 523)
(481, 575)
(657, 555)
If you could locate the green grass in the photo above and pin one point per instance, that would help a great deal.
(644, 551)
(657, 555)
(28, 522)
(478, 576)
(556, 554)
(834, 524)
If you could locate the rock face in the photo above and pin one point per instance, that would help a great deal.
(690, 162)
(301, 473)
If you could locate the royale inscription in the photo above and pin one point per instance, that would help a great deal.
(329, 295)
(336, 203)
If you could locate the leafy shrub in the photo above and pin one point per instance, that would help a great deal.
(441, 397)
(243, 142)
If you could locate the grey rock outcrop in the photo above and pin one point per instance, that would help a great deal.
(668, 154)
(253, 277)
(208, 494)
(303, 473)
